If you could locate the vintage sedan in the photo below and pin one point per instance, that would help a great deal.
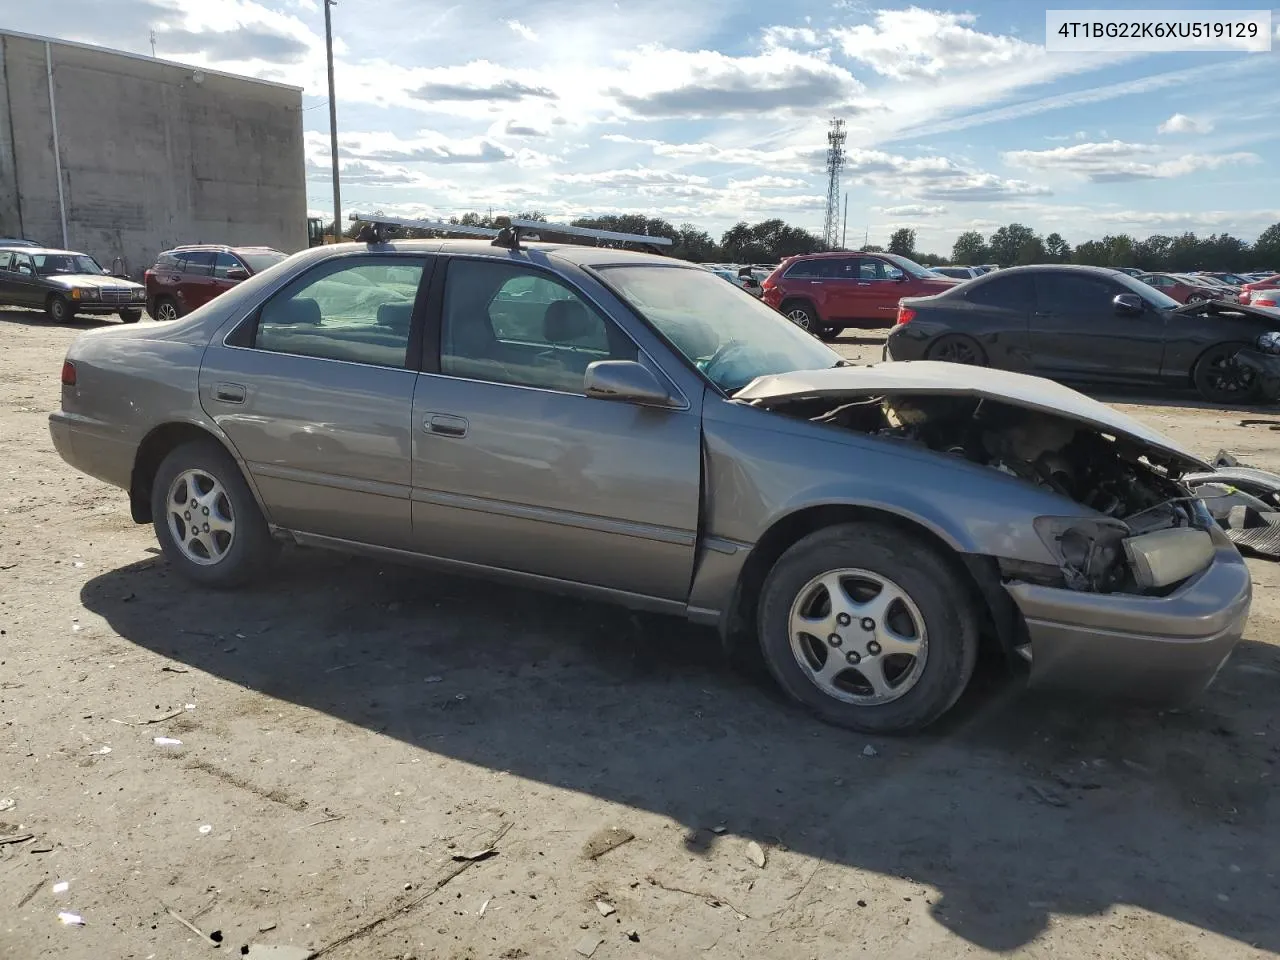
(64, 283)
(621, 426)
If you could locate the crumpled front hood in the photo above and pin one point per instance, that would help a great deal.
(928, 377)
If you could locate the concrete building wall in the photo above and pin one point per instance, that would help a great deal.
(153, 154)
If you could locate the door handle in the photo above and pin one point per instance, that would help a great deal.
(864, 283)
(445, 425)
(229, 392)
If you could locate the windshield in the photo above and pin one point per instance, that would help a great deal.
(48, 264)
(728, 334)
(1155, 297)
(258, 261)
(911, 267)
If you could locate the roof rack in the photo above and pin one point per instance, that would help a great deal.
(375, 231)
(375, 224)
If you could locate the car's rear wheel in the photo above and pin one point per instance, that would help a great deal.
(1219, 379)
(166, 309)
(957, 348)
(802, 315)
(130, 316)
(868, 628)
(206, 519)
(58, 308)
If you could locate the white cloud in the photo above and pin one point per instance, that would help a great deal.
(660, 82)
(1116, 161)
(933, 178)
(1181, 123)
(767, 183)
(792, 159)
(639, 176)
(914, 43)
(912, 210)
(522, 30)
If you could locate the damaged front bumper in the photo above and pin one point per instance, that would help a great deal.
(1158, 649)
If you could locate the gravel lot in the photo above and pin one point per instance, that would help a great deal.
(348, 730)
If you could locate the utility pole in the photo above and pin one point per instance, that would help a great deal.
(153, 44)
(835, 162)
(333, 121)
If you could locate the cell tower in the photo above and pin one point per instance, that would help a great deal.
(835, 162)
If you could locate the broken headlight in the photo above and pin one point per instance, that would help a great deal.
(1089, 551)
(1269, 343)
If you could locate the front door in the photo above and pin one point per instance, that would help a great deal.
(25, 288)
(315, 392)
(515, 468)
(1076, 333)
(223, 264)
(870, 288)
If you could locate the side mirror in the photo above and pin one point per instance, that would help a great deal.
(237, 273)
(900, 278)
(627, 381)
(1128, 304)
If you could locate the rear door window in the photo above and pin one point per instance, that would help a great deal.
(1009, 292)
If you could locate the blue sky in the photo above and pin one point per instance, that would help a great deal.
(712, 113)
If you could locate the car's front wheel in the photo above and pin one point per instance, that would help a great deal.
(58, 308)
(868, 628)
(1219, 379)
(130, 316)
(206, 519)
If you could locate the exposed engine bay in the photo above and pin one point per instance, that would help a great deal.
(1135, 494)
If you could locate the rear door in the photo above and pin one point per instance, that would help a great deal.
(195, 289)
(1076, 333)
(515, 468)
(315, 391)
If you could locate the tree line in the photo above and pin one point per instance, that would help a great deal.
(771, 241)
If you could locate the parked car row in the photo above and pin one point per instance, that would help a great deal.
(66, 283)
(666, 442)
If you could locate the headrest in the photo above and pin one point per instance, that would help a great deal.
(395, 315)
(566, 320)
(299, 311)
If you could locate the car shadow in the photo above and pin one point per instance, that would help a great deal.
(1072, 807)
(38, 318)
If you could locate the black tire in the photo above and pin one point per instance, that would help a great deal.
(923, 575)
(1218, 379)
(251, 548)
(59, 309)
(130, 316)
(802, 315)
(957, 348)
(166, 308)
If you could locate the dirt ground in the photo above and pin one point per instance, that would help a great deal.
(349, 730)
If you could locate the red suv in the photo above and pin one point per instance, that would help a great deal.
(188, 277)
(826, 292)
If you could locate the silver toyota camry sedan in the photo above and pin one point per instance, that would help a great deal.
(622, 426)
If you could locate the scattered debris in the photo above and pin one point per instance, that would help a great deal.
(192, 927)
(174, 670)
(719, 828)
(429, 890)
(266, 927)
(71, 919)
(6, 804)
(633, 936)
(602, 841)
(862, 903)
(168, 716)
(709, 899)
(206, 828)
(17, 838)
(61, 886)
(40, 849)
(755, 853)
(483, 907)
(31, 894)
(589, 944)
(261, 951)
(1047, 796)
(870, 751)
(484, 853)
(167, 742)
(316, 823)
(606, 908)
(433, 679)
(102, 752)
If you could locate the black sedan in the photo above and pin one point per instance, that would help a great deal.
(1084, 324)
(64, 283)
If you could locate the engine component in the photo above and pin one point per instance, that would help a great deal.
(1166, 556)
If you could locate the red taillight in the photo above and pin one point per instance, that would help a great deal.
(905, 314)
(68, 373)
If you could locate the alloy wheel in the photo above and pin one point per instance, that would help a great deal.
(957, 350)
(200, 516)
(858, 636)
(800, 317)
(166, 311)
